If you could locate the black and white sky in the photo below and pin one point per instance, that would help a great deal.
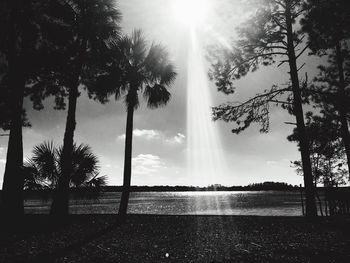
(160, 135)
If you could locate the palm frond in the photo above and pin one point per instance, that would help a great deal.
(97, 181)
(158, 67)
(59, 160)
(45, 167)
(44, 157)
(85, 164)
(156, 96)
(124, 46)
(134, 68)
(168, 75)
(138, 48)
(71, 4)
(154, 61)
(33, 179)
(105, 86)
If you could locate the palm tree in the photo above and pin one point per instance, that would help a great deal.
(135, 69)
(93, 24)
(43, 170)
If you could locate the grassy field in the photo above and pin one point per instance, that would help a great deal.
(155, 238)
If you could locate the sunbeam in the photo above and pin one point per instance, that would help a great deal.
(190, 12)
(205, 155)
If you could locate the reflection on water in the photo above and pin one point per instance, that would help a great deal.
(264, 203)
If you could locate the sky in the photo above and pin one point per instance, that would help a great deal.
(160, 145)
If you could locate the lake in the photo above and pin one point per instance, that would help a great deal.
(262, 203)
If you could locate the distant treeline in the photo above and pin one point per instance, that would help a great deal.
(166, 188)
(266, 186)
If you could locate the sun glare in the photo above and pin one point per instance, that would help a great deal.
(190, 12)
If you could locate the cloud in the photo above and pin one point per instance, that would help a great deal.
(121, 137)
(177, 139)
(146, 164)
(155, 135)
(146, 134)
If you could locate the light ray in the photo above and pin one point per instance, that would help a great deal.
(206, 161)
(190, 12)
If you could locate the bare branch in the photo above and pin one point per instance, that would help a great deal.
(278, 47)
(301, 52)
(282, 62)
(281, 102)
(301, 67)
(300, 40)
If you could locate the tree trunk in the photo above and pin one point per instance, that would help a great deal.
(12, 189)
(123, 207)
(311, 209)
(342, 104)
(60, 202)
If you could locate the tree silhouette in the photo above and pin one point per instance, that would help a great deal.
(267, 35)
(44, 168)
(134, 70)
(93, 24)
(327, 24)
(26, 31)
(327, 151)
(5, 107)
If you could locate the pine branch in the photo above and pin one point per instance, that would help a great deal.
(254, 58)
(279, 23)
(255, 109)
(263, 95)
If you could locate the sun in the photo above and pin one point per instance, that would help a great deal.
(190, 12)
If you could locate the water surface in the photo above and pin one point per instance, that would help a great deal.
(263, 203)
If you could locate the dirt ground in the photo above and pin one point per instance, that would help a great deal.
(157, 238)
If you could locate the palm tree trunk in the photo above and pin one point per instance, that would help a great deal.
(12, 189)
(60, 202)
(123, 207)
(311, 209)
(342, 104)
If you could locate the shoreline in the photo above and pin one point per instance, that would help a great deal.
(180, 238)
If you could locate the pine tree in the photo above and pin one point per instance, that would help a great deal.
(267, 35)
(327, 24)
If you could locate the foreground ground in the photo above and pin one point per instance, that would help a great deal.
(152, 238)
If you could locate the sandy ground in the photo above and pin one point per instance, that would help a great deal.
(155, 238)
